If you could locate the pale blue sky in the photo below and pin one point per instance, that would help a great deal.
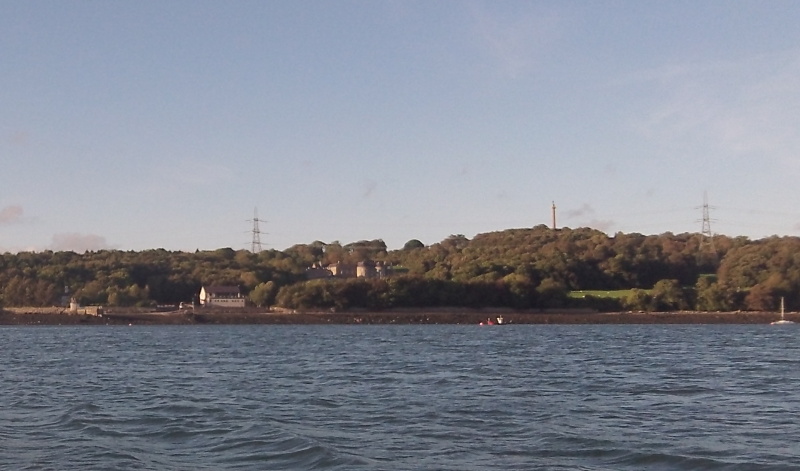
(152, 124)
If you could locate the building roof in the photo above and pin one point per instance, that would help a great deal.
(221, 289)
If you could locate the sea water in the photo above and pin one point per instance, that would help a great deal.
(426, 397)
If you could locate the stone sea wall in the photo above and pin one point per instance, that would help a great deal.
(60, 316)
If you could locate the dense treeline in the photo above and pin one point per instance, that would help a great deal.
(521, 268)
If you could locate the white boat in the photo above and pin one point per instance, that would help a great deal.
(497, 321)
(783, 320)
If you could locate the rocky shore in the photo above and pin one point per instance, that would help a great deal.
(417, 316)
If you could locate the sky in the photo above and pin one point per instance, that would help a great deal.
(151, 124)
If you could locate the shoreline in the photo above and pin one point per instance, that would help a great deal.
(20, 316)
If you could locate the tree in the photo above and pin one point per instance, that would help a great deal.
(638, 300)
(709, 296)
(366, 250)
(521, 290)
(667, 295)
(413, 244)
(761, 297)
(263, 295)
(551, 293)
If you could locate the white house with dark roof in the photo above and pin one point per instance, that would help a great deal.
(221, 296)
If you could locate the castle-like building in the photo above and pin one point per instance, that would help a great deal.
(364, 269)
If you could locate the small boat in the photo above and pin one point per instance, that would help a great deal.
(496, 321)
(783, 320)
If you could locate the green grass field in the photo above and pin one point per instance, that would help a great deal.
(615, 294)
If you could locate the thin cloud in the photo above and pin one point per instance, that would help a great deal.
(369, 188)
(197, 173)
(587, 211)
(742, 108)
(78, 242)
(601, 225)
(11, 215)
(19, 139)
(515, 44)
(584, 210)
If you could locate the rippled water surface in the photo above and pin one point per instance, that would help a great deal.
(400, 398)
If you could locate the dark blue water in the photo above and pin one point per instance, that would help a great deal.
(400, 398)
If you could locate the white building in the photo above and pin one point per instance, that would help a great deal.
(221, 296)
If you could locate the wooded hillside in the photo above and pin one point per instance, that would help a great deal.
(520, 268)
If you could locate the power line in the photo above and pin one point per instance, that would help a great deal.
(256, 243)
(707, 241)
